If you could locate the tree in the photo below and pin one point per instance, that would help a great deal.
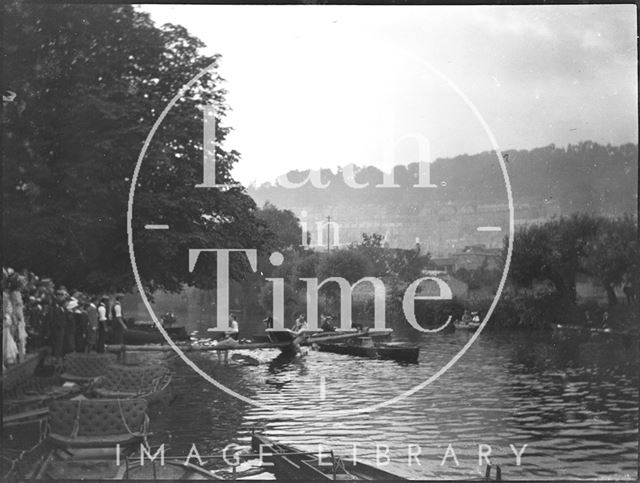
(613, 253)
(403, 264)
(344, 263)
(553, 251)
(90, 81)
(284, 226)
(372, 248)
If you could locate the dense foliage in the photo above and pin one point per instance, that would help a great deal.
(559, 250)
(90, 80)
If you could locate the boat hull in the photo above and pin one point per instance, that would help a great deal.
(397, 352)
(56, 464)
(460, 325)
(406, 353)
(153, 336)
(17, 373)
(289, 463)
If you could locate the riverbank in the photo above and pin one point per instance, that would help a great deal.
(523, 312)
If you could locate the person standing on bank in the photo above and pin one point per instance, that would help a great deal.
(92, 326)
(118, 321)
(58, 324)
(82, 323)
(102, 324)
(16, 285)
(70, 328)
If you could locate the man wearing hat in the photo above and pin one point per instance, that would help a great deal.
(58, 323)
(70, 328)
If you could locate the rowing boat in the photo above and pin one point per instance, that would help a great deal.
(290, 463)
(150, 382)
(146, 332)
(82, 445)
(82, 464)
(463, 325)
(309, 336)
(28, 402)
(365, 347)
(83, 368)
(17, 373)
(139, 336)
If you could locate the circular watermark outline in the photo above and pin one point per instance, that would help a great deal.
(293, 413)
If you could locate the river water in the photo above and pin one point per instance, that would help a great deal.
(574, 403)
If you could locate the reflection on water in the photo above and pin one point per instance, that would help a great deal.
(575, 405)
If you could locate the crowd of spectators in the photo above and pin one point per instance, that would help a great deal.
(37, 313)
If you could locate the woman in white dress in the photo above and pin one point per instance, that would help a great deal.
(16, 284)
(9, 347)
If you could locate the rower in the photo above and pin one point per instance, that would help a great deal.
(268, 321)
(301, 324)
(466, 317)
(327, 326)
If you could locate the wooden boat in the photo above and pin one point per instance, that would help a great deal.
(399, 351)
(82, 445)
(81, 464)
(463, 325)
(17, 373)
(365, 347)
(146, 332)
(150, 382)
(290, 463)
(290, 341)
(28, 402)
(82, 368)
(278, 336)
(310, 336)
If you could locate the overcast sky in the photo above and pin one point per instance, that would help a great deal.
(325, 86)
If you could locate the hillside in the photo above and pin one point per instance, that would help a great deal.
(546, 182)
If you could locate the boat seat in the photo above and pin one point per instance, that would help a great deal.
(108, 441)
(131, 381)
(77, 379)
(83, 423)
(86, 367)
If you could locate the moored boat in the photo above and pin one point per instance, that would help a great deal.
(290, 463)
(82, 445)
(399, 351)
(28, 401)
(83, 368)
(365, 347)
(17, 373)
(146, 332)
(150, 382)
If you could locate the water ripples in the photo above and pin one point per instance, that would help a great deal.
(575, 407)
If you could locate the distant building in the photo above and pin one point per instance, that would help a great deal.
(459, 289)
(445, 264)
(476, 257)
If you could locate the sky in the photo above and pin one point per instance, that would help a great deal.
(313, 86)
